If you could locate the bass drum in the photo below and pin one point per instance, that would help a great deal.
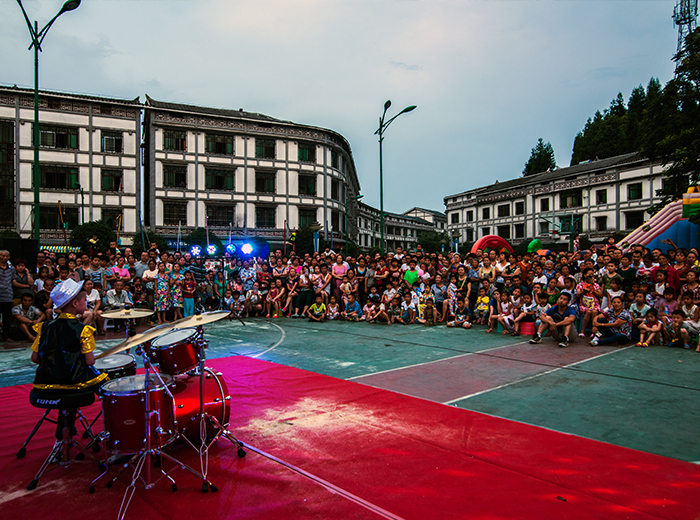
(217, 402)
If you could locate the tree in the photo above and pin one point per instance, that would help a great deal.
(431, 241)
(81, 235)
(149, 236)
(679, 116)
(304, 242)
(541, 159)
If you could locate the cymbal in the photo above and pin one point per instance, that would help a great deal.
(127, 313)
(154, 332)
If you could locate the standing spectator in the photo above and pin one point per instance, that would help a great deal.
(21, 282)
(199, 270)
(162, 293)
(149, 280)
(7, 274)
(142, 265)
(176, 294)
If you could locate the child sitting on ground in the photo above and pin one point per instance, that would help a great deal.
(333, 309)
(650, 329)
(505, 316)
(638, 310)
(345, 290)
(408, 310)
(667, 305)
(394, 310)
(378, 313)
(352, 311)
(494, 310)
(527, 314)
(481, 310)
(317, 311)
(461, 316)
(236, 305)
(542, 307)
(692, 313)
(431, 316)
(678, 332)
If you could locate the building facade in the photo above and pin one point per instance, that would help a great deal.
(436, 218)
(89, 162)
(399, 230)
(596, 199)
(243, 172)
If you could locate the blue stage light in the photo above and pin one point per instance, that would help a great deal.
(230, 249)
(211, 249)
(196, 251)
(247, 249)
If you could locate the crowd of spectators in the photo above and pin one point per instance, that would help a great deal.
(603, 294)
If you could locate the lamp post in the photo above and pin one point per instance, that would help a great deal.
(383, 125)
(37, 39)
(82, 202)
(347, 235)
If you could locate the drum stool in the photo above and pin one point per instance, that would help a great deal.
(66, 402)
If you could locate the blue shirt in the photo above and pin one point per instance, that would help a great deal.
(558, 316)
(354, 307)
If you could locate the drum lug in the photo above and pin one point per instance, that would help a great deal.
(180, 406)
(227, 398)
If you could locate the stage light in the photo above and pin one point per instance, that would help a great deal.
(230, 249)
(211, 249)
(247, 249)
(196, 251)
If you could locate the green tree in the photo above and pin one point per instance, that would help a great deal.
(81, 235)
(304, 242)
(149, 236)
(541, 159)
(677, 141)
(431, 241)
(198, 237)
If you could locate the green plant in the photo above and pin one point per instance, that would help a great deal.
(81, 235)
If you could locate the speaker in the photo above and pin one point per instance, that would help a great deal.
(24, 248)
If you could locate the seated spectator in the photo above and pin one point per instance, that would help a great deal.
(650, 330)
(317, 311)
(559, 320)
(25, 317)
(353, 311)
(42, 300)
(678, 332)
(253, 301)
(462, 316)
(93, 303)
(613, 325)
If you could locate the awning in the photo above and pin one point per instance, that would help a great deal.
(60, 249)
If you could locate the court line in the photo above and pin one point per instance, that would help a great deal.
(284, 335)
(434, 361)
(451, 401)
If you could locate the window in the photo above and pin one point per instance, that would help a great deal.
(59, 137)
(634, 192)
(111, 180)
(544, 204)
(390, 230)
(58, 177)
(520, 231)
(455, 218)
(634, 219)
(571, 199)
(601, 196)
(307, 185)
(520, 208)
(307, 217)
(174, 176)
(219, 144)
(485, 231)
(174, 213)
(265, 181)
(335, 221)
(601, 223)
(174, 140)
(49, 217)
(219, 179)
(470, 216)
(486, 213)
(265, 148)
(544, 228)
(335, 189)
(335, 161)
(265, 216)
(307, 152)
(503, 231)
(112, 142)
(504, 210)
(113, 218)
(220, 215)
(470, 235)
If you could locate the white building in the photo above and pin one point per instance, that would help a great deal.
(400, 230)
(88, 143)
(255, 172)
(597, 198)
(436, 218)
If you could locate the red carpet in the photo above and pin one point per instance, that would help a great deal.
(413, 458)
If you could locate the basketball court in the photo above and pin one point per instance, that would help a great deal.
(354, 420)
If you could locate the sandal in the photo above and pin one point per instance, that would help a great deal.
(489, 330)
(583, 335)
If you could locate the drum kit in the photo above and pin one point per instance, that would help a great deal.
(176, 399)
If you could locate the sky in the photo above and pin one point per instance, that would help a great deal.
(489, 77)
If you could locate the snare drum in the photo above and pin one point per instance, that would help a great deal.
(117, 365)
(177, 351)
(124, 413)
(217, 402)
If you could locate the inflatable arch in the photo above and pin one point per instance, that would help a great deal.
(492, 242)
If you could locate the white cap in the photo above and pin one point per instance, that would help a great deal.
(65, 292)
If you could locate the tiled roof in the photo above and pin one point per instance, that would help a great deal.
(19, 90)
(221, 112)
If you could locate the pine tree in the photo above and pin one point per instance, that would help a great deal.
(541, 159)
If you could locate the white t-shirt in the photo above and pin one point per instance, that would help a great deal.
(39, 284)
(92, 298)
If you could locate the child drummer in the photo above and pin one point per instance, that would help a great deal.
(64, 347)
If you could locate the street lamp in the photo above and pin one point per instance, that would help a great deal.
(347, 235)
(82, 201)
(380, 132)
(37, 39)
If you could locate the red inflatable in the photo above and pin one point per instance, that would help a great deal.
(492, 242)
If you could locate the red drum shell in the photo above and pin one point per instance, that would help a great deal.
(124, 414)
(177, 351)
(217, 402)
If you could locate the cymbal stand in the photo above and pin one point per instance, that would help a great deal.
(142, 462)
(206, 418)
